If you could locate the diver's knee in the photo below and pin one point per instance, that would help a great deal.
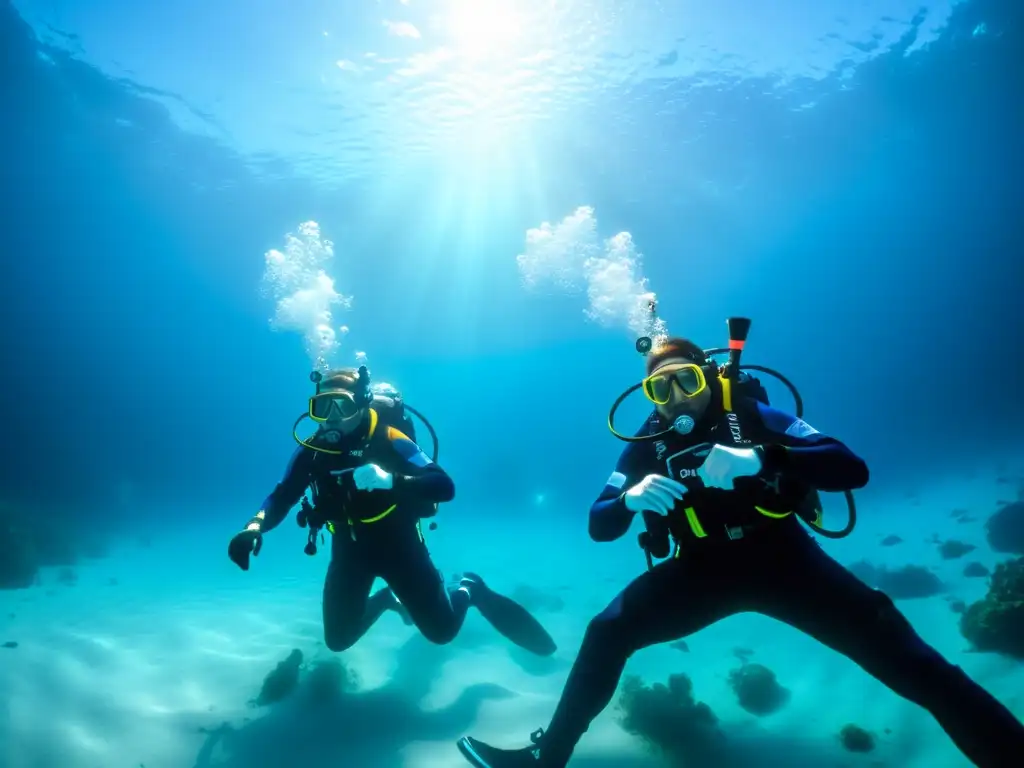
(609, 631)
(337, 641)
(439, 634)
(918, 672)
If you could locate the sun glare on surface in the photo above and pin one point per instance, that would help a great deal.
(482, 28)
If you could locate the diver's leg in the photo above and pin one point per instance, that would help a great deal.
(817, 595)
(420, 588)
(511, 619)
(348, 611)
(675, 599)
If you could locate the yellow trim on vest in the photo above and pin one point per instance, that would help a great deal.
(769, 513)
(379, 517)
(726, 393)
(695, 526)
(396, 434)
(373, 424)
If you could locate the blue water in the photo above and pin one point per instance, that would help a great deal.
(846, 175)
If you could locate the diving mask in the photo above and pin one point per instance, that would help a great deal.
(335, 404)
(688, 377)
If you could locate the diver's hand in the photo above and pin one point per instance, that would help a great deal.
(245, 543)
(655, 493)
(725, 464)
(370, 477)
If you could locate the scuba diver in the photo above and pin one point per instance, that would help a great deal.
(372, 486)
(728, 478)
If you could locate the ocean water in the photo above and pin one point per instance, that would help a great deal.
(201, 203)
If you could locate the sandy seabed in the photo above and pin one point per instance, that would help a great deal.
(154, 656)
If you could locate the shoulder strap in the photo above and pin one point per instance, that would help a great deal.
(727, 394)
(736, 413)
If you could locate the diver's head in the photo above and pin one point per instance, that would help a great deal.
(341, 404)
(677, 379)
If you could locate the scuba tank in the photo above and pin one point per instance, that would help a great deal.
(393, 411)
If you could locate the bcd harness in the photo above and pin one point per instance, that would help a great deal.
(735, 387)
(310, 514)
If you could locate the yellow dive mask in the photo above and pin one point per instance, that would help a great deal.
(337, 404)
(688, 377)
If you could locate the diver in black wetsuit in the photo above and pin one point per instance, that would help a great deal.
(372, 485)
(724, 490)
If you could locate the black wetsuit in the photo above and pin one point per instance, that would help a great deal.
(747, 561)
(376, 533)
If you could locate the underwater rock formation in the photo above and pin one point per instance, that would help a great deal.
(904, 583)
(26, 544)
(357, 729)
(19, 565)
(671, 720)
(757, 689)
(856, 739)
(996, 623)
(891, 541)
(952, 549)
(328, 680)
(281, 681)
(1004, 530)
(975, 571)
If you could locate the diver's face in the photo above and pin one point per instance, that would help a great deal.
(343, 417)
(344, 425)
(679, 402)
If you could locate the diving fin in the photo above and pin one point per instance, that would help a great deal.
(507, 616)
(481, 755)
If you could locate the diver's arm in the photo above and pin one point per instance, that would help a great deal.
(287, 492)
(416, 477)
(795, 447)
(609, 517)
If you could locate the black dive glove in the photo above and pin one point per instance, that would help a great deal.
(245, 543)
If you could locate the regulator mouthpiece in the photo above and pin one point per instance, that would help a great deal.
(684, 424)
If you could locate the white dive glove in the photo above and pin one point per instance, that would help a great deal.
(724, 464)
(655, 493)
(370, 477)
